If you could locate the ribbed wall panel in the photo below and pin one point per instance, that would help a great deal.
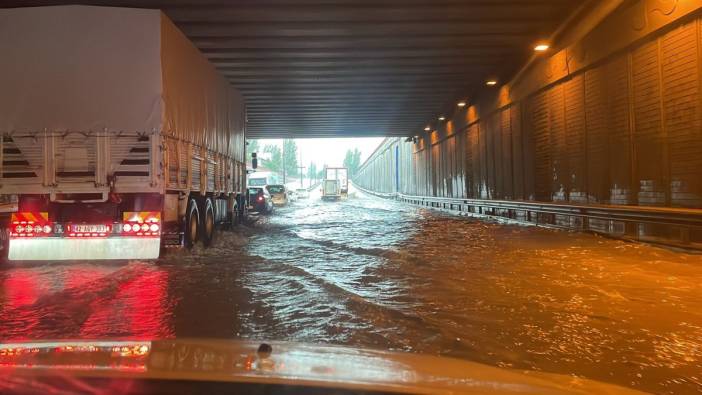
(649, 141)
(624, 131)
(619, 131)
(595, 114)
(575, 139)
(506, 178)
(681, 113)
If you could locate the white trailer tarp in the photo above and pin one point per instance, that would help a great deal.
(85, 68)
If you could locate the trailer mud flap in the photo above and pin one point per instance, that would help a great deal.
(49, 249)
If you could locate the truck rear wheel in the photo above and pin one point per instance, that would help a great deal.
(208, 223)
(192, 224)
(234, 216)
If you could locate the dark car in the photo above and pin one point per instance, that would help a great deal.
(260, 200)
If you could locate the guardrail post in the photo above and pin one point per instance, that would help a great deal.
(685, 235)
(631, 229)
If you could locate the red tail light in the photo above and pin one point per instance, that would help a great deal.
(143, 223)
(30, 224)
(260, 198)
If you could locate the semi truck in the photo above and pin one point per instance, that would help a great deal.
(263, 178)
(119, 138)
(336, 183)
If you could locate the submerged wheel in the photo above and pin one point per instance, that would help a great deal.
(192, 223)
(234, 216)
(208, 223)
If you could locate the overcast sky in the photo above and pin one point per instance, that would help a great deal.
(329, 151)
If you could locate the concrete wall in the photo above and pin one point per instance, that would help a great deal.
(612, 117)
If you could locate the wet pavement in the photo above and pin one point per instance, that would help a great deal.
(375, 273)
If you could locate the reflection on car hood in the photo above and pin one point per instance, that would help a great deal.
(288, 363)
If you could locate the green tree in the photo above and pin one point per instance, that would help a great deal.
(290, 155)
(312, 171)
(322, 172)
(348, 158)
(275, 161)
(356, 160)
(352, 161)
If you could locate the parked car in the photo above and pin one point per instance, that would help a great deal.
(279, 194)
(260, 200)
(302, 193)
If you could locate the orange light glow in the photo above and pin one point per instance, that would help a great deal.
(541, 47)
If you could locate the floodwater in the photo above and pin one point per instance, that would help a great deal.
(375, 273)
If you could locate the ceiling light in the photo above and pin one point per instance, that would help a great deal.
(442, 118)
(491, 82)
(461, 104)
(427, 129)
(541, 47)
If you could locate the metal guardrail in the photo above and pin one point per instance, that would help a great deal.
(679, 227)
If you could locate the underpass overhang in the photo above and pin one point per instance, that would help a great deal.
(358, 68)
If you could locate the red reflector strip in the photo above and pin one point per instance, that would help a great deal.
(30, 217)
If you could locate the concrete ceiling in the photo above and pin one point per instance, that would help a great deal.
(345, 68)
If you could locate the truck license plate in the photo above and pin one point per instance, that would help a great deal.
(90, 228)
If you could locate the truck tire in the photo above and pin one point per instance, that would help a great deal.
(234, 216)
(208, 222)
(192, 223)
(240, 208)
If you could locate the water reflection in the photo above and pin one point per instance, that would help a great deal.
(77, 300)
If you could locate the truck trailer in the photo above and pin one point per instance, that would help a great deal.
(336, 183)
(119, 138)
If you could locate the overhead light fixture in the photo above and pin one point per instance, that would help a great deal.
(491, 82)
(461, 104)
(541, 47)
(426, 129)
(442, 118)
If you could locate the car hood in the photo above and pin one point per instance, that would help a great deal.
(287, 363)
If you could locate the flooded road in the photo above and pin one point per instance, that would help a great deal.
(375, 273)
